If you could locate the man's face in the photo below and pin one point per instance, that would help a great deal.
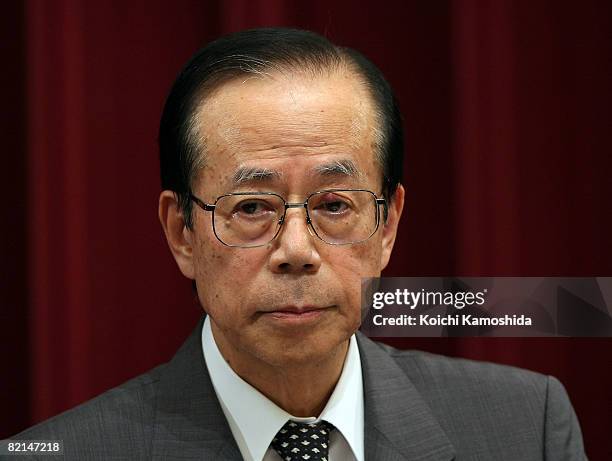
(287, 125)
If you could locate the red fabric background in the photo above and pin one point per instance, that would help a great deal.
(507, 110)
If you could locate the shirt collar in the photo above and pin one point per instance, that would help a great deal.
(255, 420)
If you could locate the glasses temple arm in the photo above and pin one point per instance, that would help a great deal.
(383, 202)
(201, 204)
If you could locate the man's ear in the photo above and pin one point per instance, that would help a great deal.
(178, 236)
(396, 205)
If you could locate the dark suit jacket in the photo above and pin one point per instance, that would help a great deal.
(418, 406)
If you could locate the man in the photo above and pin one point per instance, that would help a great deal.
(281, 164)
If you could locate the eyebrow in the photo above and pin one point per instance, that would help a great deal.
(339, 168)
(253, 174)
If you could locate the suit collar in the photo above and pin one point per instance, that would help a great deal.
(189, 422)
(398, 422)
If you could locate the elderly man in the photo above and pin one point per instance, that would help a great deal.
(281, 160)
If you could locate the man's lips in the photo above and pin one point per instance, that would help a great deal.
(296, 309)
(296, 313)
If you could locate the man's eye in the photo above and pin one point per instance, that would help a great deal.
(336, 206)
(253, 208)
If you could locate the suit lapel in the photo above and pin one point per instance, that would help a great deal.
(398, 423)
(189, 422)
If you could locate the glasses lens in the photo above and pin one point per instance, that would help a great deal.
(247, 220)
(341, 217)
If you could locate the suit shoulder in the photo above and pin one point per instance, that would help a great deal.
(124, 412)
(428, 369)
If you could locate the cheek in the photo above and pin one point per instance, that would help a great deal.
(363, 260)
(351, 267)
(219, 270)
(210, 285)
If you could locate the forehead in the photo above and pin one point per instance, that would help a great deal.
(288, 124)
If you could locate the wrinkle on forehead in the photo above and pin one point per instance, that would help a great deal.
(267, 114)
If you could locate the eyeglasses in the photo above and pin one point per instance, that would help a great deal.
(254, 219)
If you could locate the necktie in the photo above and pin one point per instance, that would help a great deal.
(303, 441)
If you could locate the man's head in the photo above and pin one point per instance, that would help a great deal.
(282, 111)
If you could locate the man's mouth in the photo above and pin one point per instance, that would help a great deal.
(297, 309)
(296, 313)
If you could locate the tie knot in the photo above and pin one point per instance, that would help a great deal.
(303, 441)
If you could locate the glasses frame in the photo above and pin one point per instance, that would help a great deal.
(211, 207)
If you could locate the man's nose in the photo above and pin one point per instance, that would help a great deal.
(295, 248)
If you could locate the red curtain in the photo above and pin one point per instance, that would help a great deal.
(507, 114)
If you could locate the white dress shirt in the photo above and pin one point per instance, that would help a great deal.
(254, 419)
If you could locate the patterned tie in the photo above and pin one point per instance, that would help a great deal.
(303, 441)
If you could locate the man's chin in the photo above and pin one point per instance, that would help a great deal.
(302, 350)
